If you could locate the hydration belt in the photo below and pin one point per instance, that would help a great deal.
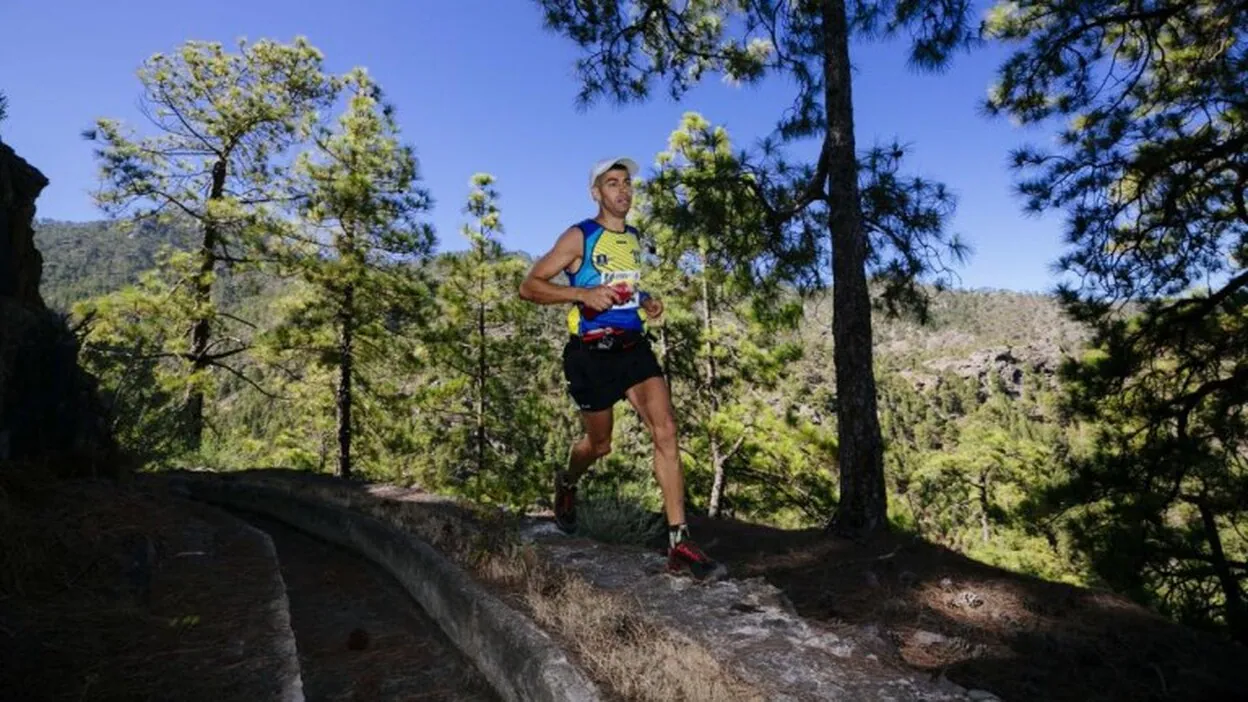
(608, 339)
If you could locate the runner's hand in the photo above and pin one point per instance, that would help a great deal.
(653, 307)
(599, 298)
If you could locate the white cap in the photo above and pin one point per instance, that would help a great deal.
(606, 164)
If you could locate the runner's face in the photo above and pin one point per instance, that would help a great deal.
(615, 191)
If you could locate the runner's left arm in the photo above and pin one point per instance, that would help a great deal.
(538, 288)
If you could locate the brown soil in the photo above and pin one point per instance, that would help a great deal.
(984, 628)
(360, 635)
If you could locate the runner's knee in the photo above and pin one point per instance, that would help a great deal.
(600, 448)
(664, 433)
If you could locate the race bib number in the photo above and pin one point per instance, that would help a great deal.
(625, 283)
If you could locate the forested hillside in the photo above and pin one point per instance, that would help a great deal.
(979, 376)
(82, 259)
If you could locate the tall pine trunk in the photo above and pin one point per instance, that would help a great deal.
(481, 369)
(717, 462)
(201, 327)
(718, 485)
(666, 361)
(984, 506)
(863, 507)
(1236, 616)
(346, 329)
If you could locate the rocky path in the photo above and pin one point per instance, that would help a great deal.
(360, 636)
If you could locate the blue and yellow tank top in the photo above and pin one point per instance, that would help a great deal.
(608, 258)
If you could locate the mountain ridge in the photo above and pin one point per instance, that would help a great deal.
(87, 258)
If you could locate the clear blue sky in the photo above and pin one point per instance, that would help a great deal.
(481, 86)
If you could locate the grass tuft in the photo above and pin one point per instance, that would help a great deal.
(617, 520)
(637, 659)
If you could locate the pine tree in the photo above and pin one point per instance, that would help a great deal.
(220, 125)
(1152, 171)
(485, 348)
(819, 210)
(359, 243)
(133, 346)
(720, 347)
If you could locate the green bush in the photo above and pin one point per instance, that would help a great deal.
(613, 518)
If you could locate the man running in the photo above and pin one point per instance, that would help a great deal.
(608, 355)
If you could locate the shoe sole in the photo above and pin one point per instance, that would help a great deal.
(719, 572)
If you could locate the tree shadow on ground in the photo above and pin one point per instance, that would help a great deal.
(1017, 636)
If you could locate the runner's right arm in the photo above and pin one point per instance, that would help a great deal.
(538, 288)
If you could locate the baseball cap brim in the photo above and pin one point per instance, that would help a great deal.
(607, 164)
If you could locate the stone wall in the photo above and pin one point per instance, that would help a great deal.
(51, 417)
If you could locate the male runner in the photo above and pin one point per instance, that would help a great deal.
(608, 355)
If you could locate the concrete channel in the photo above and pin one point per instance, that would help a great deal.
(515, 658)
(358, 633)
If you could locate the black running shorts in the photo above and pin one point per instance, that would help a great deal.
(598, 379)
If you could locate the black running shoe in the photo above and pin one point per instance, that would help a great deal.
(686, 557)
(565, 505)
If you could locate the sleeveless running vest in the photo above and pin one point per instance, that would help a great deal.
(614, 259)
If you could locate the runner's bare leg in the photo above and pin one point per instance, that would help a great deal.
(653, 403)
(594, 444)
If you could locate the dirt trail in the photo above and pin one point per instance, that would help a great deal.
(360, 635)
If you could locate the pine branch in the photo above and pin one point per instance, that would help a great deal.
(169, 103)
(244, 322)
(244, 378)
(214, 357)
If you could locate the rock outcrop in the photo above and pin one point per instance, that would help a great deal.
(50, 415)
(1014, 369)
(20, 262)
